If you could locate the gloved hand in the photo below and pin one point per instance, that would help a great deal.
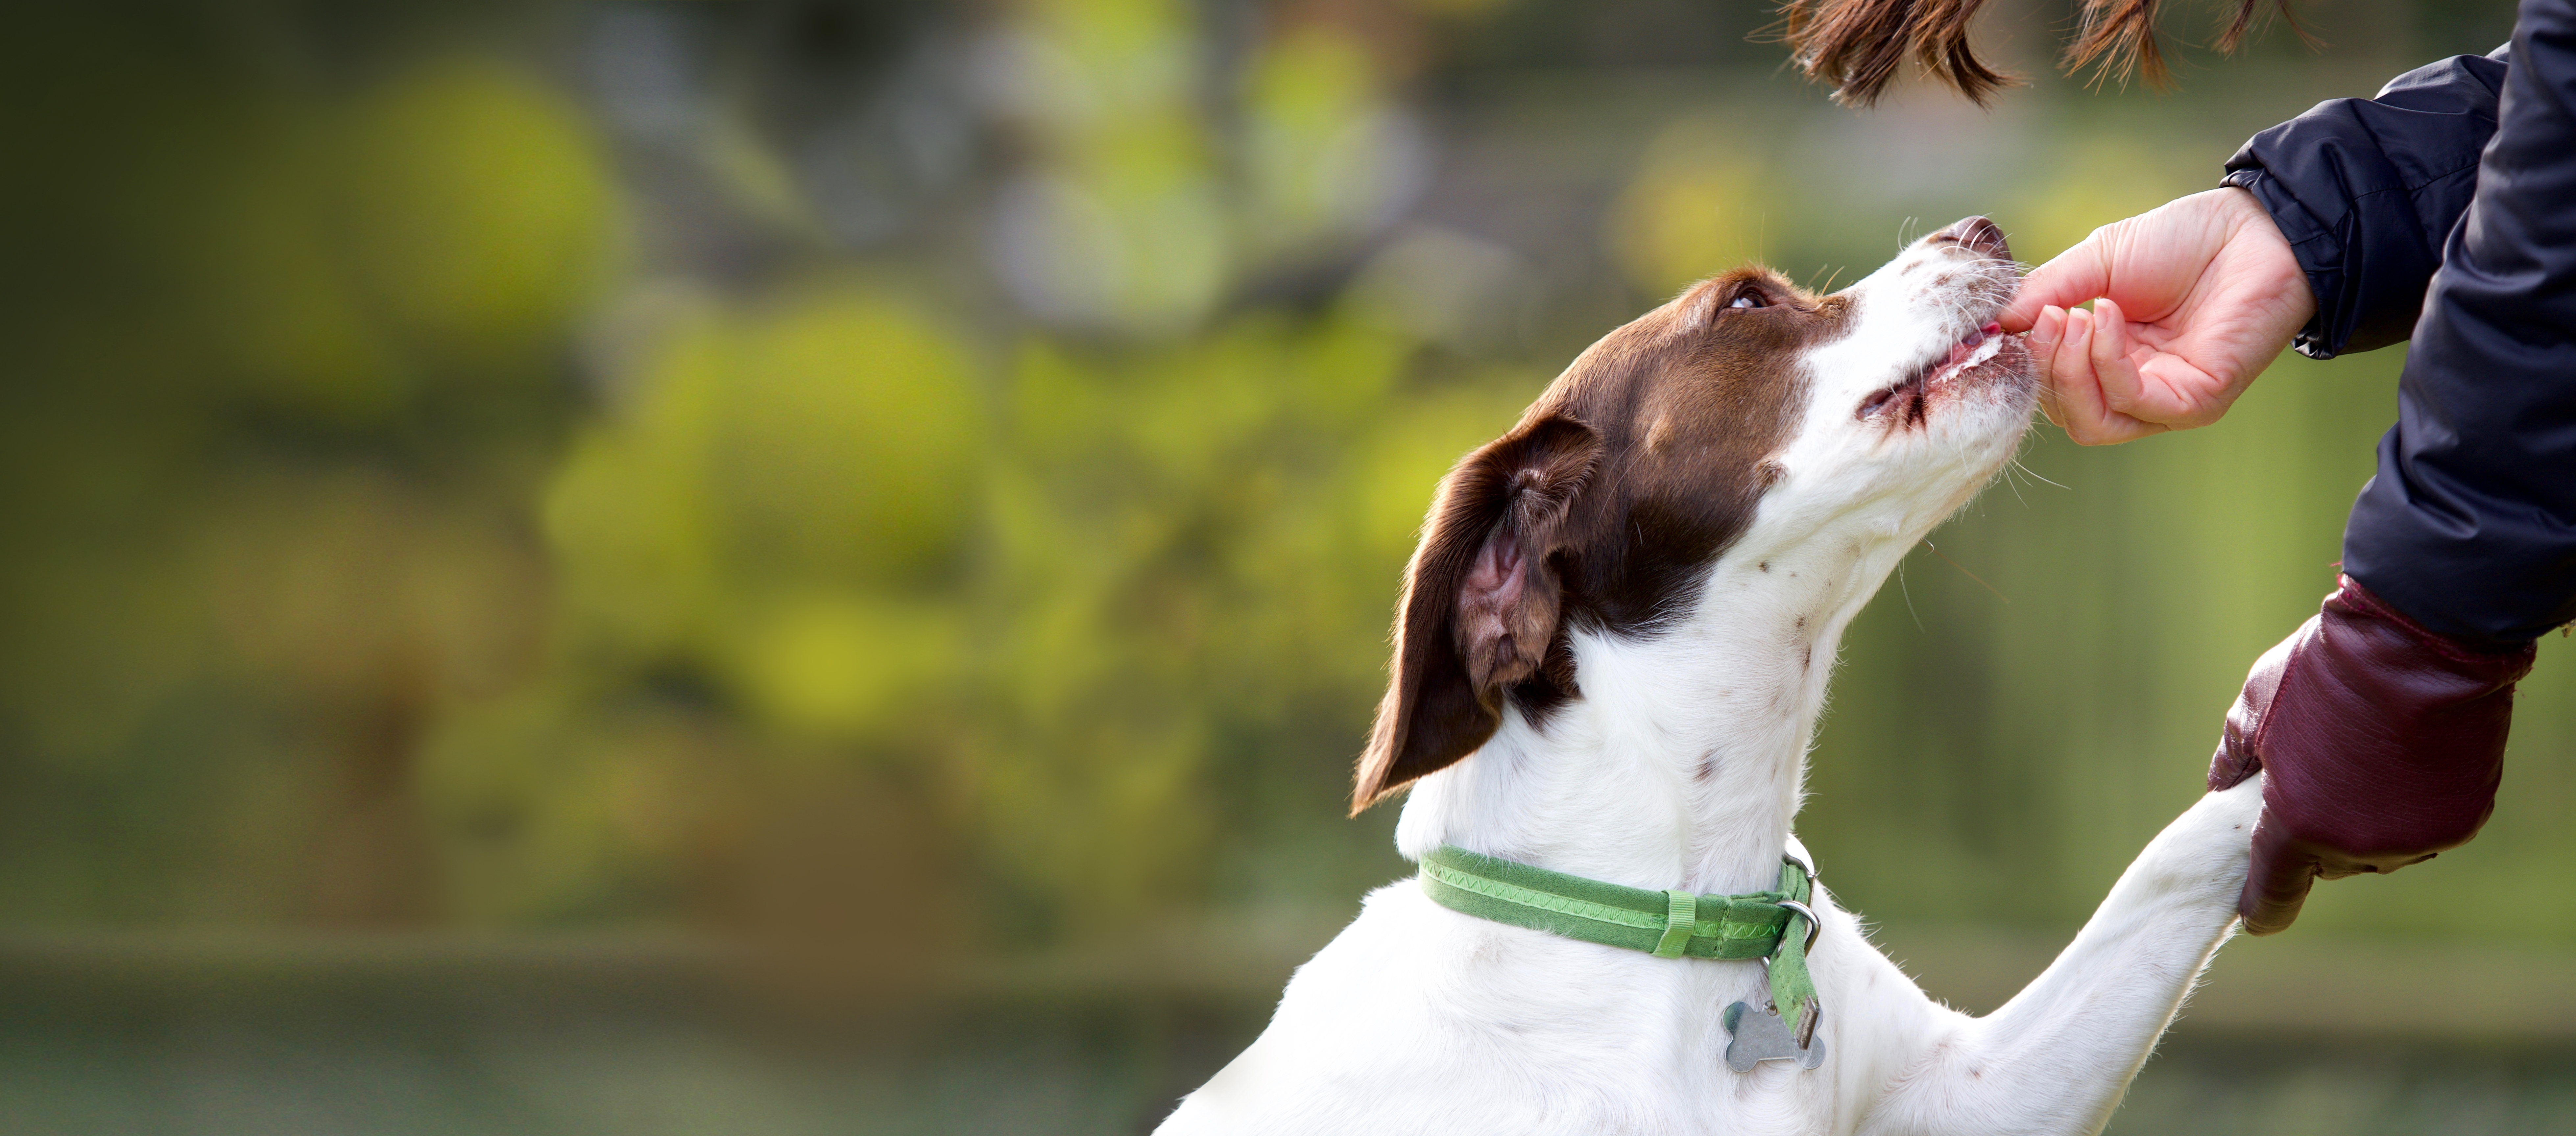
(2382, 744)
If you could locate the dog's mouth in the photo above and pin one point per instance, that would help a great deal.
(1910, 397)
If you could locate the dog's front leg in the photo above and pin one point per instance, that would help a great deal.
(2058, 1056)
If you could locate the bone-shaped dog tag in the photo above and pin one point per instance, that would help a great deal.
(1763, 1036)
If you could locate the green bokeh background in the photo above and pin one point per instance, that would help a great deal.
(663, 567)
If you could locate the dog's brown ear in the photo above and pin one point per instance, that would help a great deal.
(1480, 600)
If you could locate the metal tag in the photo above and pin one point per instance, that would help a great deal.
(1760, 1035)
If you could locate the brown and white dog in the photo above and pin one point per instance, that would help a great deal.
(1613, 642)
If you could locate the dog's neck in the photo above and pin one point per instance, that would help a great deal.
(1680, 764)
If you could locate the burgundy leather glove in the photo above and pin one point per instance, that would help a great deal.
(2382, 743)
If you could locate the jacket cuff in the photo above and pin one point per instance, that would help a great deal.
(2319, 254)
(2367, 191)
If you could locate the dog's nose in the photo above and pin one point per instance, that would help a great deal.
(1978, 235)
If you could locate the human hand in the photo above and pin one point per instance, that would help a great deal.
(2194, 299)
(2381, 743)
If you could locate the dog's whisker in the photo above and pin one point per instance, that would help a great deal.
(2015, 484)
(2016, 464)
(1963, 570)
(1908, 593)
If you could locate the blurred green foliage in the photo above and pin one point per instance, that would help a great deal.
(414, 525)
(284, 370)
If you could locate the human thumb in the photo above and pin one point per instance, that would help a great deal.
(2277, 878)
(2023, 313)
(2073, 277)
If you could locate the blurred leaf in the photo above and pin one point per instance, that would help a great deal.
(1325, 153)
(2099, 178)
(849, 443)
(1694, 208)
(478, 212)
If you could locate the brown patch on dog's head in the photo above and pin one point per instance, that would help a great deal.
(1602, 508)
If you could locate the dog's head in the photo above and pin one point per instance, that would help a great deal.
(1745, 405)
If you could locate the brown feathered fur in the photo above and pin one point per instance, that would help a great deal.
(1856, 46)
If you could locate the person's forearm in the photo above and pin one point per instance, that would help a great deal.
(2366, 190)
(2470, 524)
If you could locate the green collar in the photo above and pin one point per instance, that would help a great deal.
(1666, 924)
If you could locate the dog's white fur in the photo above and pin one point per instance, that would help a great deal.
(1418, 1019)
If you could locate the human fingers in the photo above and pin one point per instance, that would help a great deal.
(2075, 387)
(2158, 383)
(2076, 391)
(2045, 333)
(2277, 879)
(2072, 386)
(2176, 390)
(2069, 278)
(2110, 357)
(2075, 382)
(2139, 381)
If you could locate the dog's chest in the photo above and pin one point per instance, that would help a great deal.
(1443, 1023)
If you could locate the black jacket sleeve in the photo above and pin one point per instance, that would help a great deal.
(2367, 189)
(2470, 523)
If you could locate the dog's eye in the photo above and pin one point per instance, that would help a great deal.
(1746, 300)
